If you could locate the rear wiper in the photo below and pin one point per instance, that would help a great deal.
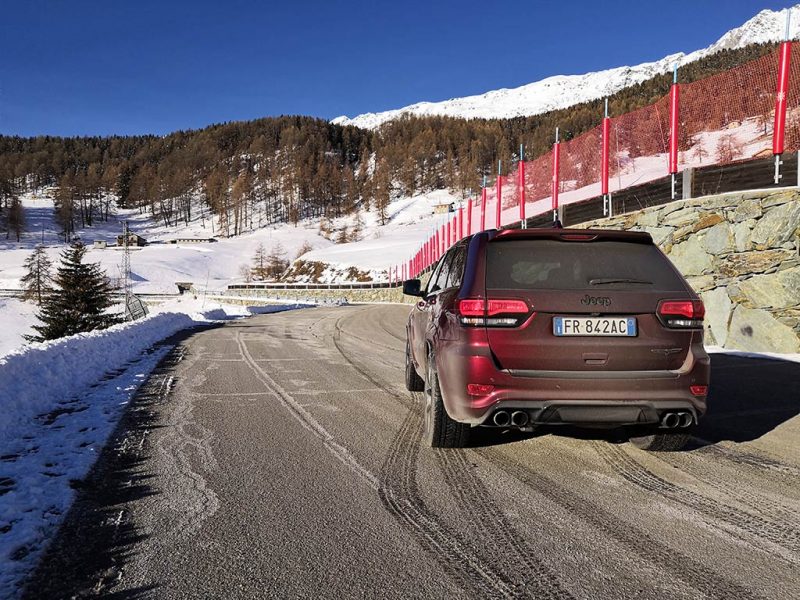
(606, 280)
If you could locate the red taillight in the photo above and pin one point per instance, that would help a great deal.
(484, 312)
(698, 390)
(507, 307)
(479, 389)
(472, 307)
(682, 313)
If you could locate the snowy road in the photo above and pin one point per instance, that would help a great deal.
(280, 457)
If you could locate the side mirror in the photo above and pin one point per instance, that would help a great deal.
(411, 287)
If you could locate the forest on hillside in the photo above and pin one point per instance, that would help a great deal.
(284, 169)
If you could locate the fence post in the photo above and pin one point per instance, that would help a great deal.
(604, 162)
(781, 99)
(483, 205)
(497, 218)
(521, 196)
(554, 190)
(674, 102)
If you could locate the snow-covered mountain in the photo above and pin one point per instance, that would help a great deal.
(561, 91)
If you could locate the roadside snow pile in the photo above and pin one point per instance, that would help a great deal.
(34, 379)
(17, 318)
(59, 403)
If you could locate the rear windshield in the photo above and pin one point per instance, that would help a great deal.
(552, 264)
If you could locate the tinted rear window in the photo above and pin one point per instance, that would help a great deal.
(551, 264)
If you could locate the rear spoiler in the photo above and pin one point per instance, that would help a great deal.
(571, 235)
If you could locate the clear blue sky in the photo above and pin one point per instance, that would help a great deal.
(70, 67)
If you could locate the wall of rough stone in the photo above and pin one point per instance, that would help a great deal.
(740, 253)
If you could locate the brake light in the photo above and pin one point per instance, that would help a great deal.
(578, 237)
(682, 314)
(471, 308)
(492, 312)
(698, 390)
(500, 307)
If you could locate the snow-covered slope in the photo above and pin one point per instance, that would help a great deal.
(562, 91)
(157, 267)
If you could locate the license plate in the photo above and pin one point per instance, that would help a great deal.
(594, 326)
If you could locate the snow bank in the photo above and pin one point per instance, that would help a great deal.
(58, 412)
(17, 318)
(35, 378)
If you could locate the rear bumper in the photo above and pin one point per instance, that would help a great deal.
(584, 397)
(591, 414)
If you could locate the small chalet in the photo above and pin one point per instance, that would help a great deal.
(133, 240)
(443, 208)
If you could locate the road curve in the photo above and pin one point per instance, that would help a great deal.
(280, 457)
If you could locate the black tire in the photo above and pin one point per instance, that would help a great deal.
(661, 442)
(414, 382)
(440, 431)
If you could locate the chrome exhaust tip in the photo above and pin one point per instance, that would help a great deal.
(501, 418)
(687, 420)
(519, 418)
(670, 420)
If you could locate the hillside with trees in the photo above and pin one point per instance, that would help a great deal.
(284, 169)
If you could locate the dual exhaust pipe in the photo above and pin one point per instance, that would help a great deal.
(675, 420)
(503, 418)
(520, 418)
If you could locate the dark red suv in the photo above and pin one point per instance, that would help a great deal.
(522, 328)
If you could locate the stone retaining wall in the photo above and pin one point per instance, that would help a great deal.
(740, 253)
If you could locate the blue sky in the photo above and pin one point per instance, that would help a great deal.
(112, 67)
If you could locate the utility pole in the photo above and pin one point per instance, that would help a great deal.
(126, 267)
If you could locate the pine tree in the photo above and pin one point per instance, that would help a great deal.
(37, 279)
(80, 300)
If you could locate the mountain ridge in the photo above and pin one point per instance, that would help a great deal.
(562, 91)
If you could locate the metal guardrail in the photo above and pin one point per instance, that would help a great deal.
(18, 293)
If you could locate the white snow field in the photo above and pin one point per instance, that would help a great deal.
(59, 402)
(16, 319)
(562, 91)
(213, 265)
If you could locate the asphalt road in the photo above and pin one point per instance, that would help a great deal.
(280, 457)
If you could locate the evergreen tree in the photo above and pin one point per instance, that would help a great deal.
(37, 279)
(80, 300)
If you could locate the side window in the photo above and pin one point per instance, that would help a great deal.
(432, 287)
(443, 274)
(439, 278)
(457, 266)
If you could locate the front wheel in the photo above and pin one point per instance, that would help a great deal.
(661, 442)
(440, 430)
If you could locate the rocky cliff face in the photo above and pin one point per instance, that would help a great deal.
(740, 252)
